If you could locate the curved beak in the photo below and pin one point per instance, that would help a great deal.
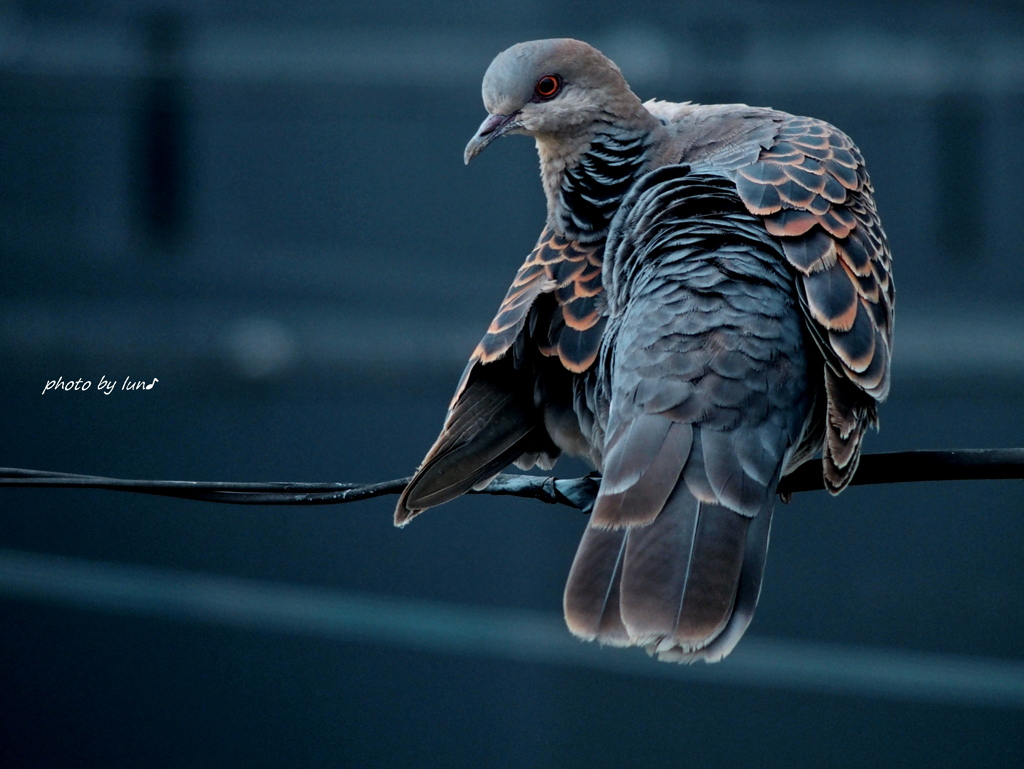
(489, 130)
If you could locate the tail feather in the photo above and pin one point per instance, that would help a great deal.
(678, 585)
(685, 585)
(641, 470)
(714, 564)
(747, 594)
(592, 605)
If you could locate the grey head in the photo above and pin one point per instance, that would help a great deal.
(554, 90)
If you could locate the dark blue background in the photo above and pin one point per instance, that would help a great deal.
(214, 195)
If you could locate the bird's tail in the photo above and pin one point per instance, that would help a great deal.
(684, 586)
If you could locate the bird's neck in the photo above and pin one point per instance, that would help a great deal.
(585, 181)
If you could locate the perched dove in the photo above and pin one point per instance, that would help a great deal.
(709, 305)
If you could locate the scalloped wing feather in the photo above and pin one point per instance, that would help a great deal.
(815, 195)
(572, 272)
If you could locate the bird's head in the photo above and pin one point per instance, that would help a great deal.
(552, 90)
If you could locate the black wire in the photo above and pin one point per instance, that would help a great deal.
(274, 493)
(896, 467)
(917, 466)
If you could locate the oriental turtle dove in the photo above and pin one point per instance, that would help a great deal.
(709, 304)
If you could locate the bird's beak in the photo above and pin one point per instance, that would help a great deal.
(489, 130)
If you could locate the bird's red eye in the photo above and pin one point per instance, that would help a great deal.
(548, 87)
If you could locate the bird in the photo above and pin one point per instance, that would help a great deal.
(708, 306)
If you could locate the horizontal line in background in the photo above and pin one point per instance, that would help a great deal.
(822, 58)
(968, 343)
(213, 333)
(497, 633)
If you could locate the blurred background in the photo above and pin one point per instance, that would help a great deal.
(263, 206)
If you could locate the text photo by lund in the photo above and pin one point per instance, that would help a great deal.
(105, 386)
(709, 305)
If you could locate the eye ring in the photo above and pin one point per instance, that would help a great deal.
(547, 87)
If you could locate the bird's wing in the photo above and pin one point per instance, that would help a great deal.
(493, 418)
(812, 189)
(572, 272)
(491, 423)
